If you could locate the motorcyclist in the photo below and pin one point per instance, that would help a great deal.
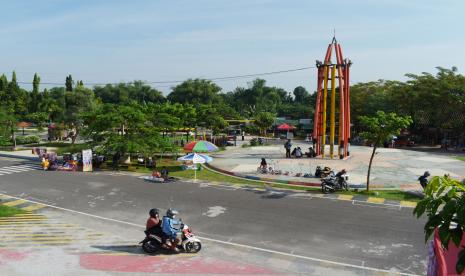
(153, 226)
(341, 173)
(171, 228)
(339, 176)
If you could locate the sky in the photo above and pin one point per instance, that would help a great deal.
(156, 41)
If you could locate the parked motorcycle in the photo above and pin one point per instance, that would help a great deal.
(333, 183)
(190, 243)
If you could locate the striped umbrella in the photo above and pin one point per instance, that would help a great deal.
(200, 146)
(196, 159)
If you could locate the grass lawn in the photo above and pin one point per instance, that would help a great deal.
(6, 211)
(462, 158)
(175, 170)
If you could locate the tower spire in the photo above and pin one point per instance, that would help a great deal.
(334, 41)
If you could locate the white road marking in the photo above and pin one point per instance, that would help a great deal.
(5, 172)
(214, 211)
(13, 170)
(18, 167)
(230, 243)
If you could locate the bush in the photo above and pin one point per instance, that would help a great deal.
(253, 142)
(22, 140)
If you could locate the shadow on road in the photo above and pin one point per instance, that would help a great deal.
(132, 248)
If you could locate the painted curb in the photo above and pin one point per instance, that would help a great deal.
(354, 198)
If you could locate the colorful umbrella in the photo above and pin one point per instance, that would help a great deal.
(196, 159)
(200, 146)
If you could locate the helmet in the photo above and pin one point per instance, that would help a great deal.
(153, 212)
(171, 213)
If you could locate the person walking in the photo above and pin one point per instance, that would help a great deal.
(424, 179)
(288, 146)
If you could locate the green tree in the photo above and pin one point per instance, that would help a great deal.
(7, 127)
(123, 128)
(35, 83)
(264, 120)
(35, 96)
(76, 103)
(80, 84)
(301, 95)
(444, 205)
(3, 82)
(53, 103)
(15, 98)
(69, 83)
(38, 118)
(210, 117)
(125, 93)
(257, 98)
(197, 91)
(380, 128)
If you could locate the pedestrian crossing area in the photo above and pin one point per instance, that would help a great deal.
(36, 229)
(19, 169)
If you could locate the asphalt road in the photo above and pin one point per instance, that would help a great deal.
(368, 235)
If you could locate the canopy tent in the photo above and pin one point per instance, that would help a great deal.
(285, 127)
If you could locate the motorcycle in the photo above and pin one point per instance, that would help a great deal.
(332, 183)
(190, 243)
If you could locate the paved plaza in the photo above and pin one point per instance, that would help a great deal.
(392, 167)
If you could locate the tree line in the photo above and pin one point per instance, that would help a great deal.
(436, 104)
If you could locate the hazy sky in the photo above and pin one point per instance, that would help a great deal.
(113, 41)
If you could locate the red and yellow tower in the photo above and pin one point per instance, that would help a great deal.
(327, 129)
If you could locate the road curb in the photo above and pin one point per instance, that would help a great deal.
(354, 198)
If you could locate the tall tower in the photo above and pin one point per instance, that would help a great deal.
(328, 73)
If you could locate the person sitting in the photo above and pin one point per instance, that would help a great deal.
(164, 173)
(263, 164)
(156, 174)
(326, 172)
(45, 163)
(153, 226)
(171, 228)
(339, 176)
(293, 151)
(318, 171)
(311, 152)
(298, 152)
(341, 173)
